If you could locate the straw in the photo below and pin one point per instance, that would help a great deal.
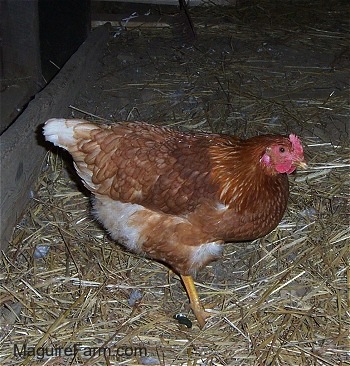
(279, 300)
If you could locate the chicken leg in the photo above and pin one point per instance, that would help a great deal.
(195, 303)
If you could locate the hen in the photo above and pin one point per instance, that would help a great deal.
(177, 197)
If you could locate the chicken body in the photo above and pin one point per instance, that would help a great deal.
(177, 197)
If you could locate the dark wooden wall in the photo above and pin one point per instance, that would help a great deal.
(37, 38)
(64, 25)
(27, 47)
(20, 57)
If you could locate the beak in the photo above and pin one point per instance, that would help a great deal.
(301, 164)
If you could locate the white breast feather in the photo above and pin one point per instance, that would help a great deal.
(114, 216)
(201, 253)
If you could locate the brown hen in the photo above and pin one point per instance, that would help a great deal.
(177, 197)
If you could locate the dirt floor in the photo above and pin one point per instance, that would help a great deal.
(282, 59)
(261, 67)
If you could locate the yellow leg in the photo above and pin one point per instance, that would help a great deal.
(195, 303)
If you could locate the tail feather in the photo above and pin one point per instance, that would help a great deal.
(65, 132)
(69, 134)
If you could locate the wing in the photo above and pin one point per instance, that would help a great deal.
(158, 168)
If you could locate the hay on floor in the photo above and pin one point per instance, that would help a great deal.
(279, 300)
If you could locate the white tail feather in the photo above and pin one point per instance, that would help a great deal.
(60, 131)
(67, 133)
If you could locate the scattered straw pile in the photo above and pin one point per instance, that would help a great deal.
(280, 300)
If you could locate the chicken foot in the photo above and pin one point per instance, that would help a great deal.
(195, 302)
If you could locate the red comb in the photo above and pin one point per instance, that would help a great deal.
(297, 147)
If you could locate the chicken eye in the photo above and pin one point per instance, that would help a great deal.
(282, 149)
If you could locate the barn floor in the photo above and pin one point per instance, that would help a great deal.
(74, 297)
